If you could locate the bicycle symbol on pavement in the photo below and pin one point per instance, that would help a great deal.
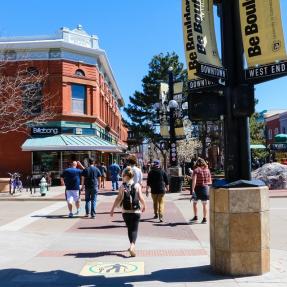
(113, 269)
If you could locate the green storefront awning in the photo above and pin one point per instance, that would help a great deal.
(69, 143)
(281, 138)
(257, 146)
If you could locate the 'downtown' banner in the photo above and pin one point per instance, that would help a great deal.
(199, 35)
(262, 32)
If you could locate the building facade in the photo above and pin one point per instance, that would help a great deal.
(85, 97)
(272, 128)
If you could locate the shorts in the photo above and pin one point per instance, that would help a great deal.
(72, 195)
(200, 193)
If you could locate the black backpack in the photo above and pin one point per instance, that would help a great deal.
(131, 198)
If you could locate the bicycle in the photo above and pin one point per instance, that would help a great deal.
(15, 184)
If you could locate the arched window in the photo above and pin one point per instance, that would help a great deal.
(80, 73)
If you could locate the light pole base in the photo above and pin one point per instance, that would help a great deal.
(240, 231)
(175, 171)
(175, 179)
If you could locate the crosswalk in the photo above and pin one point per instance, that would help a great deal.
(22, 222)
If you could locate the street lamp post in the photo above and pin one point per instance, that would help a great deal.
(173, 106)
(172, 140)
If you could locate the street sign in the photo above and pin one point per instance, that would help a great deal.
(200, 84)
(211, 72)
(113, 269)
(265, 72)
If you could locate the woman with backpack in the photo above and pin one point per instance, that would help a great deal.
(131, 199)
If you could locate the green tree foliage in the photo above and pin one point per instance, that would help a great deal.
(143, 118)
(257, 135)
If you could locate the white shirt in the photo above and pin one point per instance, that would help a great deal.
(138, 176)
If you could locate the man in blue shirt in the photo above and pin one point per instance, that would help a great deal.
(90, 180)
(115, 171)
(71, 179)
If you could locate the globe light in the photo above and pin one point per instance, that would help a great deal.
(173, 104)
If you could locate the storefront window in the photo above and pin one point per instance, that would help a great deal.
(46, 162)
(78, 99)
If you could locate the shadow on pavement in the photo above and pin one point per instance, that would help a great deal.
(118, 253)
(54, 216)
(108, 193)
(103, 227)
(57, 278)
(173, 224)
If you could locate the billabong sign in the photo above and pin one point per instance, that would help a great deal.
(270, 70)
(45, 131)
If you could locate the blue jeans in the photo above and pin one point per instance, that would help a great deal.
(91, 200)
(115, 184)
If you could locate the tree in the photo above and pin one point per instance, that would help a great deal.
(257, 135)
(143, 118)
(186, 149)
(22, 99)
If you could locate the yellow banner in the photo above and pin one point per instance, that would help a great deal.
(262, 31)
(199, 35)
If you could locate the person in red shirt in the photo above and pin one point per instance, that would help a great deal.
(201, 178)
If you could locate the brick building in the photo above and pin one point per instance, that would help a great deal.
(272, 128)
(86, 98)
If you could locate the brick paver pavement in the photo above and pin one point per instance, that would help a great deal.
(173, 227)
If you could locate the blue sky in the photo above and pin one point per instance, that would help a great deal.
(131, 32)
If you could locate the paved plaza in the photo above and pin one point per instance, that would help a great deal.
(42, 247)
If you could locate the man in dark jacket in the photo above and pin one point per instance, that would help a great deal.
(158, 182)
(90, 179)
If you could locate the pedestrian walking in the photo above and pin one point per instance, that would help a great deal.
(131, 200)
(157, 181)
(90, 182)
(201, 178)
(115, 173)
(138, 176)
(103, 169)
(71, 179)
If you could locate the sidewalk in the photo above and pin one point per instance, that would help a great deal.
(57, 193)
(57, 251)
(45, 248)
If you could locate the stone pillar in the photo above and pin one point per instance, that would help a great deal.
(239, 231)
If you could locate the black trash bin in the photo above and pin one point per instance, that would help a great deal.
(175, 183)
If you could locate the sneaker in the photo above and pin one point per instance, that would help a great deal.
(155, 217)
(93, 216)
(86, 215)
(78, 211)
(204, 220)
(132, 252)
(70, 215)
(161, 219)
(194, 218)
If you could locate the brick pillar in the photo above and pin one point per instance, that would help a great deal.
(239, 231)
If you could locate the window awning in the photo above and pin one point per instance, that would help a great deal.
(257, 146)
(69, 143)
